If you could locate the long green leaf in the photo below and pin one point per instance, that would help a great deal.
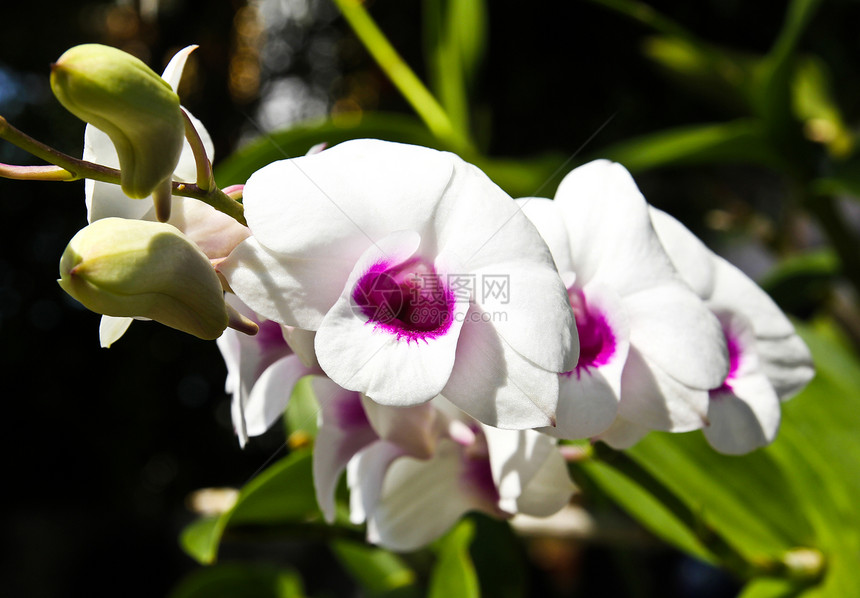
(282, 494)
(297, 140)
(789, 509)
(236, 580)
(378, 571)
(733, 142)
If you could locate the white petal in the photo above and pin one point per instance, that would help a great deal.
(271, 393)
(586, 405)
(692, 259)
(735, 291)
(339, 201)
(414, 429)
(258, 397)
(787, 363)
(495, 384)
(622, 434)
(588, 397)
(745, 418)
(343, 432)
(390, 368)
(295, 292)
(365, 475)
(302, 343)
(479, 227)
(548, 218)
(111, 329)
(105, 200)
(611, 236)
(420, 500)
(215, 233)
(530, 473)
(655, 400)
(530, 309)
(673, 330)
(173, 71)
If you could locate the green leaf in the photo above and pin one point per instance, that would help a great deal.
(745, 500)
(520, 177)
(378, 571)
(770, 587)
(297, 140)
(454, 573)
(499, 558)
(200, 539)
(236, 580)
(300, 417)
(790, 509)
(736, 141)
(718, 76)
(282, 494)
(643, 506)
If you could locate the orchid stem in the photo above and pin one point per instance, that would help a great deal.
(66, 168)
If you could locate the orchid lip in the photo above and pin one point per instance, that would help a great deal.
(597, 342)
(408, 299)
(735, 354)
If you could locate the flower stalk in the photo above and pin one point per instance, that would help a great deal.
(67, 168)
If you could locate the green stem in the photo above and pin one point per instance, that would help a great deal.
(72, 169)
(35, 173)
(415, 92)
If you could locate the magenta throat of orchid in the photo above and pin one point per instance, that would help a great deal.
(596, 339)
(409, 299)
(734, 347)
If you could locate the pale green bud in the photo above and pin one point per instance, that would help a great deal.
(136, 268)
(137, 109)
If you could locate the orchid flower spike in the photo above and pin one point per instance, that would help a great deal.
(419, 275)
(215, 233)
(649, 348)
(769, 361)
(413, 472)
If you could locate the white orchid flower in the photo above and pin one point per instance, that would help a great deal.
(262, 370)
(214, 232)
(649, 348)
(413, 472)
(769, 361)
(373, 245)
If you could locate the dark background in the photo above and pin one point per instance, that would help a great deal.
(101, 447)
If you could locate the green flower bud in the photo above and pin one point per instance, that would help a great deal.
(136, 268)
(137, 109)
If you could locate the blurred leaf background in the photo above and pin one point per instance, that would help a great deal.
(738, 118)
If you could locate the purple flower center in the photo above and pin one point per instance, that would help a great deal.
(596, 340)
(408, 299)
(735, 352)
